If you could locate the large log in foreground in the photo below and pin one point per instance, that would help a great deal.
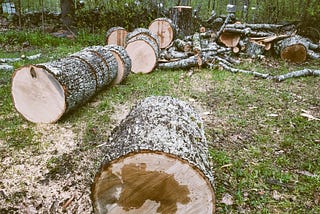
(156, 162)
(43, 93)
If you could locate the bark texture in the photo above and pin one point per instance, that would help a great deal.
(181, 17)
(44, 92)
(293, 49)
(156, 127)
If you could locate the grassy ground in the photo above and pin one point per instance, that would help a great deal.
(264, 147)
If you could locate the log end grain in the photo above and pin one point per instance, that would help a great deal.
(296, 53)
(37, 95)
(150, 182)
(116, 36)
(164, 29)
(230, 39)
(143, 56)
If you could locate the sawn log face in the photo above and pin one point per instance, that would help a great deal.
(156, 161)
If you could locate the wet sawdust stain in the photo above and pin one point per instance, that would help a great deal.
(140, 185)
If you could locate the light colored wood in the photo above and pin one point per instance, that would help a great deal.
(150, 182)
(164, 29)
(37, 95)
(229, 39)
(116, 36)
(123, 60)
(156, 161)
(143, 53)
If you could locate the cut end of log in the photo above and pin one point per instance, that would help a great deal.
(164, 29)
(230, 39)
(37, 95)
(143, 55)
(296, 53)
(116, 36)
(152, 182)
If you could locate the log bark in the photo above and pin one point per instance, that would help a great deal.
(143, 31)
(123, 61)
(181, 17)
(165, 30)
(143, 52)
(182, 45)
(43, 93)
(254, 49)
(156, 162)
(294, 74)
(116, 36)
(180, 64)
(292, 49)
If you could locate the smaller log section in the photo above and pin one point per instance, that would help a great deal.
(43, 93)
(156, 162)
(164, 29)
(116, 36)
(123, 60)
(143, 51)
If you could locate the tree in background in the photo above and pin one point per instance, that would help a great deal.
(68, 13)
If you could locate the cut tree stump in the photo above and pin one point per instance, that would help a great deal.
(164, 29)
(156, 162)
(116, 36)
(143, 52)
(181, 17)
(43, 93)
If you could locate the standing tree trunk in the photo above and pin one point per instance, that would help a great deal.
(156, 162)
(67, 13)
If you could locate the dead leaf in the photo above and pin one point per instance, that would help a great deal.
(227, 199)
(272, 115)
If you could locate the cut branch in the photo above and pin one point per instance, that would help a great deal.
(300, 73)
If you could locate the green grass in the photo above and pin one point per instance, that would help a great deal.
(264, 152)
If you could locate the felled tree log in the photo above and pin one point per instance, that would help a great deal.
(143, 31)
(156, 162)
(236, 70)
(123, 61)
(266, 27)
(43, 93)
(254, 49)
(196, 43)
(300, 73)
(182, 45)
(143, 52)
(181, 17)
(182, 63)
(117, 36)
(165, 29)
(293, 49)
(248, 32)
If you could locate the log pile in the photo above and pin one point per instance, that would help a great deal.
(156, 162)
(43, 93)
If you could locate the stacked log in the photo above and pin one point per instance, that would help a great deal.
(156, 162)
(142, 47)
(116, 36)
(43, 93)
(165, 30)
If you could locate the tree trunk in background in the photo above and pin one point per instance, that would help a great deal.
(67, 13)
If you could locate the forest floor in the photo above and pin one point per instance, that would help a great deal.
(264, 138)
